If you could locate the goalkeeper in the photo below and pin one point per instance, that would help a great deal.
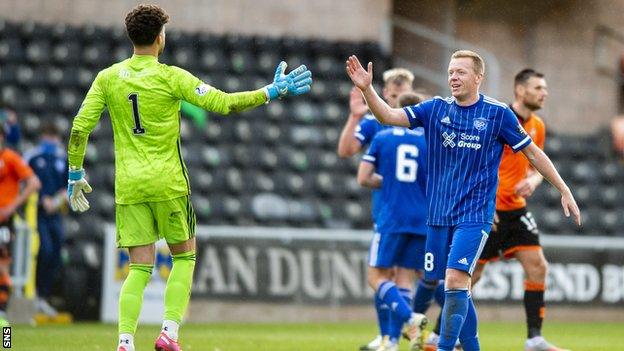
(151, 181)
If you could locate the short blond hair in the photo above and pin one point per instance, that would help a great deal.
(398, 76)
(478, 63)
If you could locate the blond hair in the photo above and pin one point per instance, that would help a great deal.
(398, 76)
(478, 63)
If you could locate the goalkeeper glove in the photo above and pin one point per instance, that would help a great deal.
(296, 82)
(77, 186)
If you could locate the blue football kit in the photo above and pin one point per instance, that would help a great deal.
(465, 146)
(399, 156)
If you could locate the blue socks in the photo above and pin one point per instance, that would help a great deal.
(396, 324)
(453, 316)
(390, 295)
(424, 294)
(440, 295)
(468, 335)
(383, 316)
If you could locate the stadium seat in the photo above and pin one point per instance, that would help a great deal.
(85, 78)
(203, 207)
(234, 181)
(330, 138)
(298, 161)
(611, 196)
(243, 132)
(213, 61)
(35, 31)
(269, 206)
(611, 172)
(27, 76)
(11, 50)
(8, 74)
(95, 54)
(91, 33)
(609, 221)
(552, 221)
(65, 53)
(301, 212)
(124, 51)
(585, 172)
(306, 136)
(30, 125)
(8, 29)
(69, 101)
(262, 182)
(62, 32)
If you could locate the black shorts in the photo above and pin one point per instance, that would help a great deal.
(7, 231)
(516, 231)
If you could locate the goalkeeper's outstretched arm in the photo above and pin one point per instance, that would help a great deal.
(191, 89)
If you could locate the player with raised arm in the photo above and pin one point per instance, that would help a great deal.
(361, 125)
(465, 136)
(151, 180)
(358, 132)
(394, 165)
(515, 234)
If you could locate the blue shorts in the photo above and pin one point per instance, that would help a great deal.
(404, 250)
(457, 247)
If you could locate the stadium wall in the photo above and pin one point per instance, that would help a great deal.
(575, 43)
(329, 19)
(290, 274)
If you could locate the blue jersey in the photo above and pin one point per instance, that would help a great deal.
(367, 129)
(365, 132)
(50, 166)
(399, 156)
(465, 145)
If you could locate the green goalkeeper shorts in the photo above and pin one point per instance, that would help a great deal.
(147, 222)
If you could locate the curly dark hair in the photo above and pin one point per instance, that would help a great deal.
(144, 23)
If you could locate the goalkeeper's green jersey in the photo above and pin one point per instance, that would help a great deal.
(143, 99)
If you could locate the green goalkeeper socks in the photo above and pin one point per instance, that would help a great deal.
(131, 297)
(178, 290)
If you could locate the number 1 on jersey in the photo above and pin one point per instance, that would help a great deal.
(138, 128)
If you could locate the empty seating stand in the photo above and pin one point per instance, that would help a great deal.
(275, 165)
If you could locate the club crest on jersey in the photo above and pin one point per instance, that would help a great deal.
(202, 89)
(124, 74)
(480, 123)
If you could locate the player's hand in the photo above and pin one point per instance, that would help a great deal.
(525, 187)
(297, 82)
(77, 186)
(569, 206)
(357, 104)
(361, 78)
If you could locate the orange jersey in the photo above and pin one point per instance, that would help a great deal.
(515, 167)
(13, 169)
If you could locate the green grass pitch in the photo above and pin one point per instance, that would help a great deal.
(498, 336)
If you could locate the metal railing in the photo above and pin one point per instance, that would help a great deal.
(21, 258)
